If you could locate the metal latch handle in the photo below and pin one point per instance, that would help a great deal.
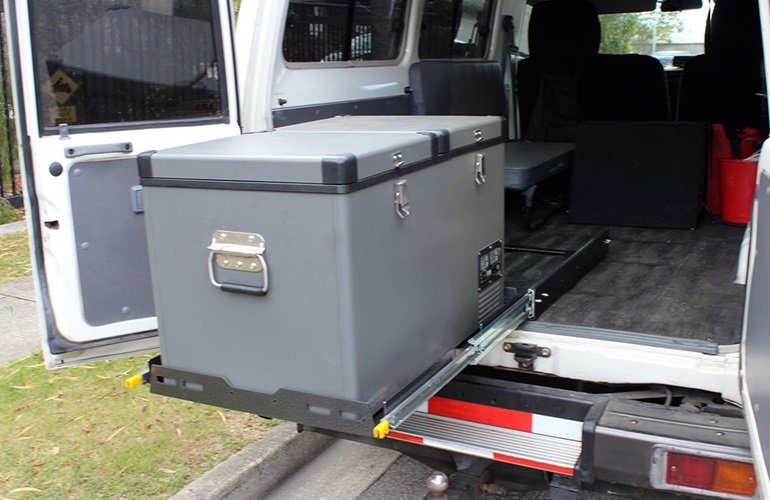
(239, 252)
(480, 169)
(401, 200)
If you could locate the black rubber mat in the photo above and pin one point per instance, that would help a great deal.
(672, 282)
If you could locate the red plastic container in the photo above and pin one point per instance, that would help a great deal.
(738, 182)
(750, 139)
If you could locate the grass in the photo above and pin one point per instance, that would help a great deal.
(78, 434)
(14, 257)
(8, 213)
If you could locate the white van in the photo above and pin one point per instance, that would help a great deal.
(626, 352)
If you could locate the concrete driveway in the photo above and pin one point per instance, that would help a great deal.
(19, 329)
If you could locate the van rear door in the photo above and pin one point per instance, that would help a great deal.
(755, 347)
(755, 343)
(95, 83)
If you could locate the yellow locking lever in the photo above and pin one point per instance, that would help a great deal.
(381, 430)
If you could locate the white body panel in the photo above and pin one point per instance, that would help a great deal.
(624, 363)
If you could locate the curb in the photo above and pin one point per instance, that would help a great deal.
(13, 227)
(259, 467)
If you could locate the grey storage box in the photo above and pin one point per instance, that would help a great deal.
(449, 133)
(294, 272)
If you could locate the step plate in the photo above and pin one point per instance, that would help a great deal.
(520, 438)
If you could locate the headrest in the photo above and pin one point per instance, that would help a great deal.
(734, 29)
(564, 32)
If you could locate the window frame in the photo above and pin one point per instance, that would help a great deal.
(224, 110)
(352, 64)
(488, 43)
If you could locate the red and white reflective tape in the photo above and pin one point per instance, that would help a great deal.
(526, 425)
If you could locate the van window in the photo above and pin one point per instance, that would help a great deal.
(671, 37)
(343, 30)
(128, 61)
(455, 29)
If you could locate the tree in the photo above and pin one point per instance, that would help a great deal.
(637, 33)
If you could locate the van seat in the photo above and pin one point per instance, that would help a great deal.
(565, 80)
(446, 87)
(563, 36)
(722, 86)
(623, 87)
(476, 88)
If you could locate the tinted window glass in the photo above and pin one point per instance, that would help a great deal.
(116, 61)
(671, 37)
(343, 30)
(455, 29)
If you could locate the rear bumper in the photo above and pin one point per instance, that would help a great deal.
(569, 433)
(622, 441)
(630, 437)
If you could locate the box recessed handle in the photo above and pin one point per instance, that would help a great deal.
(244, 289)
(238, 252)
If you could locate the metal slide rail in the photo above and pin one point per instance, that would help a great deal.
(478, 345)
(530, 305)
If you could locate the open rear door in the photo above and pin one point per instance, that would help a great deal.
(755, 347)
(755, 343)
(95, 83)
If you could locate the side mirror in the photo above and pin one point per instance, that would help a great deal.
(677, 5)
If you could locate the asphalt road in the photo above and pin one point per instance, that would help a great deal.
(354, 471)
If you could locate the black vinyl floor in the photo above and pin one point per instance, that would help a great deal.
(671, 282)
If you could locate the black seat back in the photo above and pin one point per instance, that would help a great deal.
(563, 36)
(627, 87)
(445, 87)
(722, 85)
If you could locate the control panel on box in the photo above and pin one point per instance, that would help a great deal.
(490, 264)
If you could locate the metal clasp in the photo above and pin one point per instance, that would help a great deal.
(398, 159)
(401, 200)
(238, 252)
(480, 170)
(478, 135)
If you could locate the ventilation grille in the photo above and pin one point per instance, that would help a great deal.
(490, 300)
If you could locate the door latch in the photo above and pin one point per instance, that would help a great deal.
(525, 354)
(401, 200)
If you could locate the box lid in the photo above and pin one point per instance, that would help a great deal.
(448, 132)
(301, 157)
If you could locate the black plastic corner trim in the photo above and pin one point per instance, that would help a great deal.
(585, 466)
(439, 141)
(339, 169)
(145, 163)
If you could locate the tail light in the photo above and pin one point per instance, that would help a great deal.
(704, 473)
